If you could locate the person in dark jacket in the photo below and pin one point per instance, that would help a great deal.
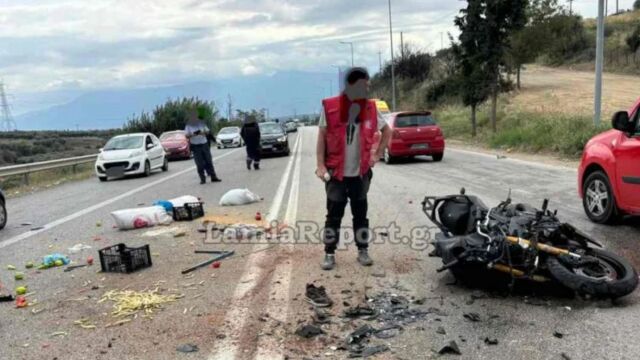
(250, 133)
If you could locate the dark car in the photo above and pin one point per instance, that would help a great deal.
(273, 139)
(3, 211)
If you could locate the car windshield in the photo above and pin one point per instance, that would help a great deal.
(405, 121)
(229, 130)
(270, 128)
(124, 143)
(177, 136)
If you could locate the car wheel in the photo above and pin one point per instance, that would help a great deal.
(3, 214)
(388, 159)
(598, 200)
(437, 157)
(165, 165)
(147, 168)
(102, 178)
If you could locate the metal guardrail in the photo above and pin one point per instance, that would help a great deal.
(26, 169)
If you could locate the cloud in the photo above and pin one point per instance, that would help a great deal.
(79, 44)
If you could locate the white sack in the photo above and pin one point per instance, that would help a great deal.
(141, 217)
(239, 197)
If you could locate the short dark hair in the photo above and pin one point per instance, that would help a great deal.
(356, 75)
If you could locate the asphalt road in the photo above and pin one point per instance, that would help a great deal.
(250, 307)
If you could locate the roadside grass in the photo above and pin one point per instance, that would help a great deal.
(15, 185)
(550, 133)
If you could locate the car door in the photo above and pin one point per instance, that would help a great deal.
(157, 152)
(627, 154)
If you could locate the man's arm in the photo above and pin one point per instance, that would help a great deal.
(321, 147)
(384, 141)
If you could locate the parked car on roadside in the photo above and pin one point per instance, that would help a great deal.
(229, 137)
(273, 139)
(131, 154)
(414, 133)
(3, 210)
(291, 126)
(176, 145)
(609, 173)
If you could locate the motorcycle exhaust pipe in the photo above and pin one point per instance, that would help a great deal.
(517, 273)
(542, 247)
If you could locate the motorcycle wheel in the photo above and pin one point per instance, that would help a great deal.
(611, 277)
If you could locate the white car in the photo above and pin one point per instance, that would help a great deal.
(132, 154)
(229, 137)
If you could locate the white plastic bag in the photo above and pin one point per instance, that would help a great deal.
(180, 201)
(239, 197)
(78, 247)
(141, 217)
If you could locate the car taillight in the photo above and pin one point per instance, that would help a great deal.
(396, 134)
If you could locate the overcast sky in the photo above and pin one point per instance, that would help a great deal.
(92, 44)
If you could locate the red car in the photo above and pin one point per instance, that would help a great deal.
(176, 145)
(414, 133)
(609, 174)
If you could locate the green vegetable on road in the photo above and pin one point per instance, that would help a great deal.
(11, 267)
(19, 276)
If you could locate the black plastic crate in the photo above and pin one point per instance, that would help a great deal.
(122, 259)
(188, 212)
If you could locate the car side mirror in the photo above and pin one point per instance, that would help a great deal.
(622, 122)
(101, 150)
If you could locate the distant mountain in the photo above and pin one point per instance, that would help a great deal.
(282, 93)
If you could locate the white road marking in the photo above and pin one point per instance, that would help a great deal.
(518, 161)
(238, 312)
(95, 207)
(269, 347)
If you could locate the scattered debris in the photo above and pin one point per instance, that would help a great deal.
(490, 341)
(436, 311)
(369, 351)
(360, 334)
(53, 260)
(220, 255)
(565, 356)
(6, 298)
(73, 267)
(359, 311)
(308, 331)
(473, 317)
(11, 267)
(321, 316)
(21, 290)
(440, 330)
(238, 197)
(29, 265)
(379, 273)
(85, 323)
(387, 332)
(18, 276)
(59, 333)
(128, 303)
(450, 348)
(21, 302)
(78, 248)
(558, 334)
(187, 348)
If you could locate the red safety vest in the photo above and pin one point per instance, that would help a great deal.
(336, 110)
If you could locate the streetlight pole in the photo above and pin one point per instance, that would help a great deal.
(350, 43)
(340, 80)
(599, 64)
(393, 73)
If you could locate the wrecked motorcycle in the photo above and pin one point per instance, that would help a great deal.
(523, 242)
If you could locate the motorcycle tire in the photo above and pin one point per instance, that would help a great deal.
(626, 278)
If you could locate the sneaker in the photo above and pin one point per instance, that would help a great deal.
(215, 179)
(317, 296)
(249, 164)
(256, 165)
(329, 262)
(203, 181)
(363, 258)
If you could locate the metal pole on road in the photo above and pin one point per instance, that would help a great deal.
(599, 64)
(350, 43)
(393, 73)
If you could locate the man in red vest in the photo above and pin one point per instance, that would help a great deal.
(348, 125)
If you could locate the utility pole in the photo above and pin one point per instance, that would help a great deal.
(571, 7)
(380, 60)
(6, 122)
(617, 7)
(350, 43)
(599, 64)
(393, 73)
(401, 46)
(441, 40)
(229, 107)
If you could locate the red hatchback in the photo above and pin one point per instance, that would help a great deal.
(176, 145)
(414, 133)
(609, 174)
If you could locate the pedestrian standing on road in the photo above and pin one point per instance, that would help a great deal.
(197, 133)
(347, 125)
(250, 133)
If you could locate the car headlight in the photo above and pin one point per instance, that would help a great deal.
(100, 157)
(135, 154)
(282, 139)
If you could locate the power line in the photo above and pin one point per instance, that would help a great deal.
(6, 122)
